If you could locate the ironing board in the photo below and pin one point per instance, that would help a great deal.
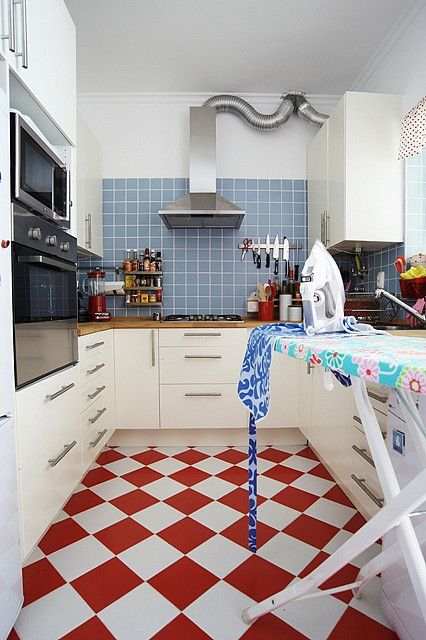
(396, 362)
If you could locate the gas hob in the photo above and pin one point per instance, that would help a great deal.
(209, 317)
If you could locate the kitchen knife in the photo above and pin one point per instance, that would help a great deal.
(259, 259)
(286, 255)
(276, 253)
(267, 251)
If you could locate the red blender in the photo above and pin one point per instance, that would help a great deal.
(94, 285)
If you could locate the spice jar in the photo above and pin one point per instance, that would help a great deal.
(128, 281)
(144, 297)
(152, 297)
(159, 295)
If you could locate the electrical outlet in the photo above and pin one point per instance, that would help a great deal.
(380, 280)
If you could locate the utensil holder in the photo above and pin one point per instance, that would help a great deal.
(266, 310)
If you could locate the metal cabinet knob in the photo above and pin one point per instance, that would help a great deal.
(51, 241)
(34, 234)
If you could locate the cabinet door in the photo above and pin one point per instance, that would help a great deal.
(136, 378)
(336, 175)
(317, 174)
(305, 398)
(51, 72)
(284, 386)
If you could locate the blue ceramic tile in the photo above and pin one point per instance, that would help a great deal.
(299, 185)
(240, 183)
(120, 195)
(132, 207)
(167, 183)
(251, 184)
(155, 183)
(107, 183)
(107, 196)
(132, 195)
(107, 207)
(119, 183)
(263, 184)
(287, 185)
(132, 183)
(228, 183)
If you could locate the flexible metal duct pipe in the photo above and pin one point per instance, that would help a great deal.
(294, 101)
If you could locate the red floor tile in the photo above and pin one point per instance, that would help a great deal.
(310, 530)
(186, 534)
(106, 457)
(295, 498)
(270, 627)
(354, 625)
(283, 474)
(337, 495)
(181, 628)
(96, 476)
(148, 457)
(134, 501)
(307, 453)
(140, 477)
(238, 532)
(232, 456)
(188, 501)
(274, 455)
(60, 535)
(193, 581)
(236, 475)
(346, 575)
(259, 578)
(12, 635)
(93, 629)
(40, 578)
(105, 584)
(122, 535)
(189, 476)
(238, 500)
(321, 472)
(355, 523)
(190, 456)
(314, 563)
(81, 501)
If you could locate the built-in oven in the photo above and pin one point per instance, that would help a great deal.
(44, 298)
(40, 179)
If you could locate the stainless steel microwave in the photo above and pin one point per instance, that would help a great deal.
(40, 179)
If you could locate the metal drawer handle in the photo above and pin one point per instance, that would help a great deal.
(99, 438)
(375, 396)
(67, 448)
(361, 483)
(94, 345)
(97, 392)
(97, 416)
(202, 335)
(358, 420)
(52, 396)
(153, 358)
(203, 357)
(203, 395)
(363, 453)
(99, 366)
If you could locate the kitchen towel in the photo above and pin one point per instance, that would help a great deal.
(413, 131)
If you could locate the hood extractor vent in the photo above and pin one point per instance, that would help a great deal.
(202, 207)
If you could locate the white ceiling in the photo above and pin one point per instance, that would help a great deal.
(228, 45)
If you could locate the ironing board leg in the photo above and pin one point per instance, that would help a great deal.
(252, 484)
(388, 517)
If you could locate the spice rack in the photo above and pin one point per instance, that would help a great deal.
(139, 295)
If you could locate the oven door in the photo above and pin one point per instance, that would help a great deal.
(45, 314)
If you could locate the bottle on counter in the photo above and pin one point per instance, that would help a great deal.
(127, 263)
(152, 264)
(141, 257)
(158, 262)
(135, 261)
(146, 260)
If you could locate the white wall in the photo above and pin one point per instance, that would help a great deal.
(148, 135)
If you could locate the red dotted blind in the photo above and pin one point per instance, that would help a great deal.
(413, 131)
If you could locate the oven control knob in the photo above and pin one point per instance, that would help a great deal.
(34, 234)
(65, 246)
(51, 241)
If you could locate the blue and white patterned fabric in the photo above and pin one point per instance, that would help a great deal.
(253, 389)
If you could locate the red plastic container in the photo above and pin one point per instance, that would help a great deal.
(266, 310)
(413, 289)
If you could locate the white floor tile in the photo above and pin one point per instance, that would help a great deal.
(131, 451)
(300, 463)
(99, 517)
(171, 451)
(276, 515)
(212, 465)
(125, 465)
(312, 484)
(54, 615)
(36, 554)
(78, 558)
(288, 553)
(364, 557)
(218, 612)
(140, 613)
(214, 487)
(167, 466)
(150, 556)
(330, 512)
(164, 488)
(267, 487)
(211, 451)
(369, 602)
(158, 517)
(216, 516)
(219, 555)
(62, 515)
(112, 488)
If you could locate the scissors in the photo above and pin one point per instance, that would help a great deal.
(247, 242)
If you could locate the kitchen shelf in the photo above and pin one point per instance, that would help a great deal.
(142, 273)
(142, 288)
(144, 304)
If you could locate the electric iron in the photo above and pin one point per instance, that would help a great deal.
(323, 293)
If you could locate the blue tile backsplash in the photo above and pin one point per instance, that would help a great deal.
(203, 271)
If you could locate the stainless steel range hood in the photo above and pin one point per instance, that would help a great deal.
(202, 207)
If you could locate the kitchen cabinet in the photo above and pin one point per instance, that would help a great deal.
(354, 176)
(45, 57)
(89, 190)
(137, 378)
(284, 386)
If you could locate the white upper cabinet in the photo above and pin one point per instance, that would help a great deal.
(44, 56)
(89, 190)
(355, 180)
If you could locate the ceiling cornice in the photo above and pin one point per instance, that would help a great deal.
(386, 46)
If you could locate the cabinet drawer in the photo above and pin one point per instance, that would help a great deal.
(101, 387)
(44, 488)
(95, 345)
(44, 408)
(99, 415)
(201, 406)
(94, 367)
(382, 419)
(364, 471)
(193, 364)
(92, 443)
(202, 337)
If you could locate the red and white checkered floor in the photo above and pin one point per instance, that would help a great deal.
(153, 544)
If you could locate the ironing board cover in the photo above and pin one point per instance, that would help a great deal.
(372, 356)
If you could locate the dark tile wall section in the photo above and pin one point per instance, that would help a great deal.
(203, 271)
